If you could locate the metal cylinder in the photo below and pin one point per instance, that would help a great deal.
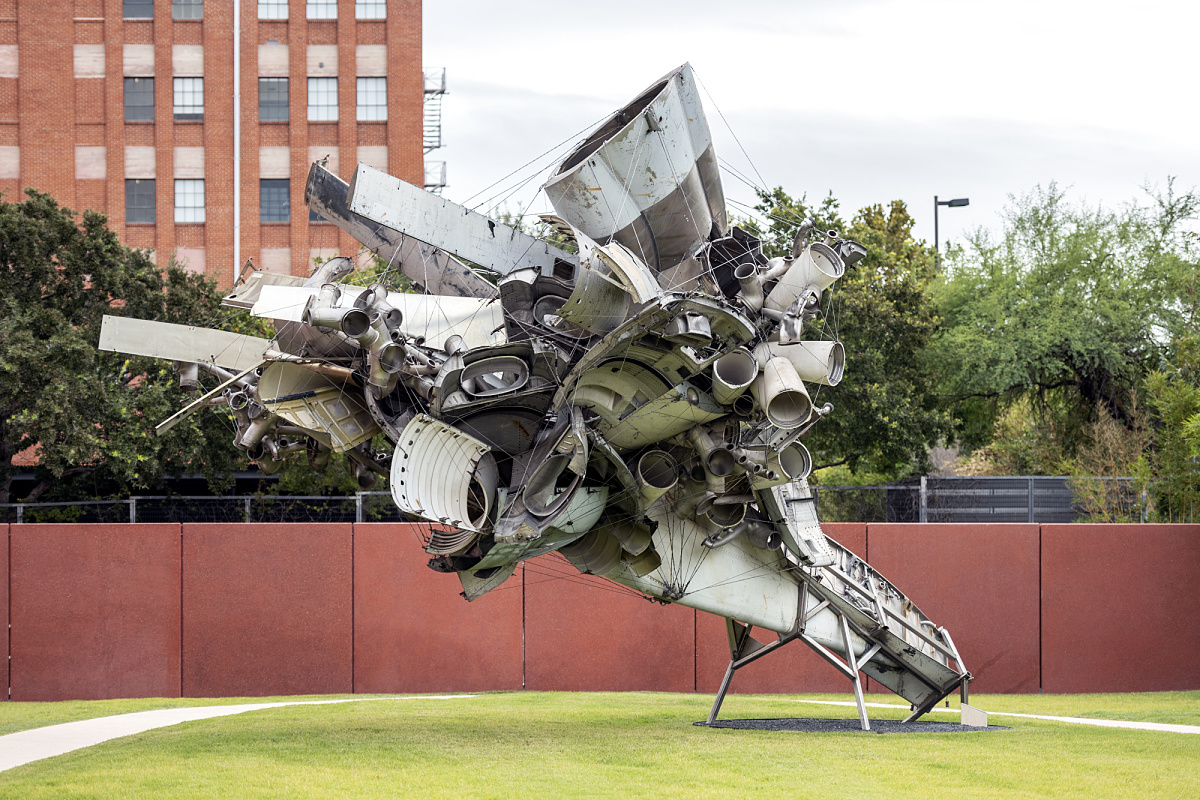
(781, 395)
(817, 266)
(751, 285)
(815, 362)
(732, 375)
(657, 473)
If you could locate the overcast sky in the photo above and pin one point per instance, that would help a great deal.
(872, 99)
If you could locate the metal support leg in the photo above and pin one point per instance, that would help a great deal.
(716, 707)
(857, 679)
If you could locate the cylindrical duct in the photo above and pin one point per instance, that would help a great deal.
(656, 474)
(189, 375)
(818, 265)
(717, 461)
(751, 285)
(597, 552)
(353, 322)
(726, 516)
(781, 395)
(815, 362)
(732, 375)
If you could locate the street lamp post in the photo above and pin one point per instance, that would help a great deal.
(958, 202)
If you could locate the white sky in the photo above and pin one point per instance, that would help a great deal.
(872, 99)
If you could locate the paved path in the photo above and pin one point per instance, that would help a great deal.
(54, 740)
(1103, 723)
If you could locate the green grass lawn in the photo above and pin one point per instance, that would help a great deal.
(614, 745)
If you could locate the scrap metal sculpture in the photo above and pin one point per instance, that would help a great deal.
(633, 399)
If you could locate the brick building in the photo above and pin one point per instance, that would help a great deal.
(128, 107)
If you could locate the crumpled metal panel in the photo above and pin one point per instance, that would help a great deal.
(647, 177)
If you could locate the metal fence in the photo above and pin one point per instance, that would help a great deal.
(360, 507)
(1016, 499)
(984, 499)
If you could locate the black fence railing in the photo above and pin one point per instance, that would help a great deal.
(1004, 499)
(985, 499)
(360, 507)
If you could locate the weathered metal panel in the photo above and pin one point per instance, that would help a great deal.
(448, 226)
(181, 342)
(431, 269)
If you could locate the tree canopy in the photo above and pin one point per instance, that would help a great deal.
(886, 414)
(88, 417)
(1070, 308)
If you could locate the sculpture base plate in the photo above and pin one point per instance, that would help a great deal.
(850, 725)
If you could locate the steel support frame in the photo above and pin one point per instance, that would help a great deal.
(745, 650)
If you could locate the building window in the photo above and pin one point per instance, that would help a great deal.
(370, 9)
(272, 99)
(139, 200)
(372, 99)
(322, 100)
(189, 200)
(138, 9)
(189, 99)
(272, 9)
(187, 9)
(139, 99)
(321, 9)
(273, 203)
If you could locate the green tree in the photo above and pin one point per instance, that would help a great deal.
(89, 416)
(1069, 309)
(1174, 395)
(886, 415)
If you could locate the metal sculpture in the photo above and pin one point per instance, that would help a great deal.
(633, 399)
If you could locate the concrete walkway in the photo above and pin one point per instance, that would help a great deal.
(54, 740)
(1103, 723)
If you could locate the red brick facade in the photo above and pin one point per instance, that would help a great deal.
(63, 65)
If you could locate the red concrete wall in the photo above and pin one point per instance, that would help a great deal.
(95, 611)
(979, 582)
(413, 630)
(4, 601)
(152, 610)
(1120, 610)
(267, 609)
(585, 633)
(795, 669)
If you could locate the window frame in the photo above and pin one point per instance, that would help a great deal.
(273, 5)
(287, 111)
(136, 4)
(370, 83)
(178, 88)
(127, 94)
(177, 5)
(322, 7)
(361, 5)
(134, 184)
(188, 186)
(317, 83)
(285, 210)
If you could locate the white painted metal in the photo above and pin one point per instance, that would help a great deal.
(435, 318)
(181, 342)
(817, 266)
(433, 469)
(815, 362)
(446, 225)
